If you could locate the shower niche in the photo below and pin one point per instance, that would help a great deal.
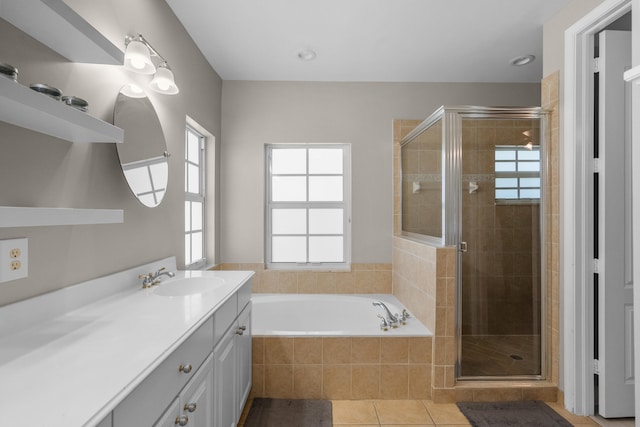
(474, 178)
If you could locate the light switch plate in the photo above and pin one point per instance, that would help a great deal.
(14, 259)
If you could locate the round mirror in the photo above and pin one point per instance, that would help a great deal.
(143, 153)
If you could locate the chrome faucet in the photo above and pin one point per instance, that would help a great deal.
(152, 279)
(384, 325)
(391, 319)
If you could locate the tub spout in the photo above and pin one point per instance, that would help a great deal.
(393, 320)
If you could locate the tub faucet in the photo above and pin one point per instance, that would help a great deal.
(393, 320)
(384, 325)
(152, 279)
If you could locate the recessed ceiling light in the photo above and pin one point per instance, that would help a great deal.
(306, 55)
(522, 60)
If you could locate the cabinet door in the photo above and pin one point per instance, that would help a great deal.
(196, 400)
(170, 417)
(243, 343)
(225, 380)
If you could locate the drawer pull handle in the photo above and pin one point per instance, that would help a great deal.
(243, 328)
(190, 407)
(186, 369)
(239, 331)
(182, 420)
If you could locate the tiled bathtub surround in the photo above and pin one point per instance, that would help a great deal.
(362, 279)
(342, 367)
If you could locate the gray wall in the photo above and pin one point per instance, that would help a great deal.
(37, 170)
(553, 33)
(256, 113)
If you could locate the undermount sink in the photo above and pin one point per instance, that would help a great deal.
(187, 286)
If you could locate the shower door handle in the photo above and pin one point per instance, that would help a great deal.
(462, 247)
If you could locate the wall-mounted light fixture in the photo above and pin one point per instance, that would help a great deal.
(137, 58)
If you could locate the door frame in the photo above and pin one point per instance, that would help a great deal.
(576, 219)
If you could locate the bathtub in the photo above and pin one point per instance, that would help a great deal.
(328, 315)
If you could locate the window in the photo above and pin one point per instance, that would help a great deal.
(194, 204)
(308, 206)
(517, 172)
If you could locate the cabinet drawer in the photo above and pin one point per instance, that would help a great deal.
(157, 391)
(224, 316)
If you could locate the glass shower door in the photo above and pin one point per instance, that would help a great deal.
(500, 264)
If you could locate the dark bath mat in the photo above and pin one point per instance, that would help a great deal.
(532, 413)
(289, 413)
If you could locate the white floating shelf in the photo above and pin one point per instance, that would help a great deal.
(29, 109)
(55, 24)
(33, 217)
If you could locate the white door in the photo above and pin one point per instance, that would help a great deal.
(614, 237)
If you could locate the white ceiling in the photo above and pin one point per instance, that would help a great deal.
(369, 40)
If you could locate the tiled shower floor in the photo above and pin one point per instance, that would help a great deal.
(500, 355)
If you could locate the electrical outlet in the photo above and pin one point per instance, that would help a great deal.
(14, 259)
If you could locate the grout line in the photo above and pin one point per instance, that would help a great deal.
(375, 408)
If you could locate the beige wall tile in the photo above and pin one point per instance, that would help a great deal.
(365, 350)
(288, 282)
(307, 381)
(447, 395)
(257, 350)
(307, 350)
(336, 350)
(364, 281)
(327, 282)
(278, 350)
(257, 378)
(496, 394)
(438, 376)
(346, 282)
(336, 382)
(420, 350)
(394, 350)
(278, 381)
(307, 282)
(546, 394)
(269, 281)
(365, 381)
(419, 381)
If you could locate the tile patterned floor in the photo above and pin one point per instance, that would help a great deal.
(410, 413)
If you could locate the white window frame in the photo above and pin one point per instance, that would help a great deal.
(199, 197)
(345, 204)
(518, 174)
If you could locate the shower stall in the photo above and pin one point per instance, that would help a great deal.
(475, 177)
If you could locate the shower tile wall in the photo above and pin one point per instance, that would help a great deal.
(549, 99)
(501, 292)
(424, 280)
(422, 183)
(362, 279)
(444, 387)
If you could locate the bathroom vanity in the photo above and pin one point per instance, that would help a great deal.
(109, 353)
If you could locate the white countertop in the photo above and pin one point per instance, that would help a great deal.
(74, 368)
